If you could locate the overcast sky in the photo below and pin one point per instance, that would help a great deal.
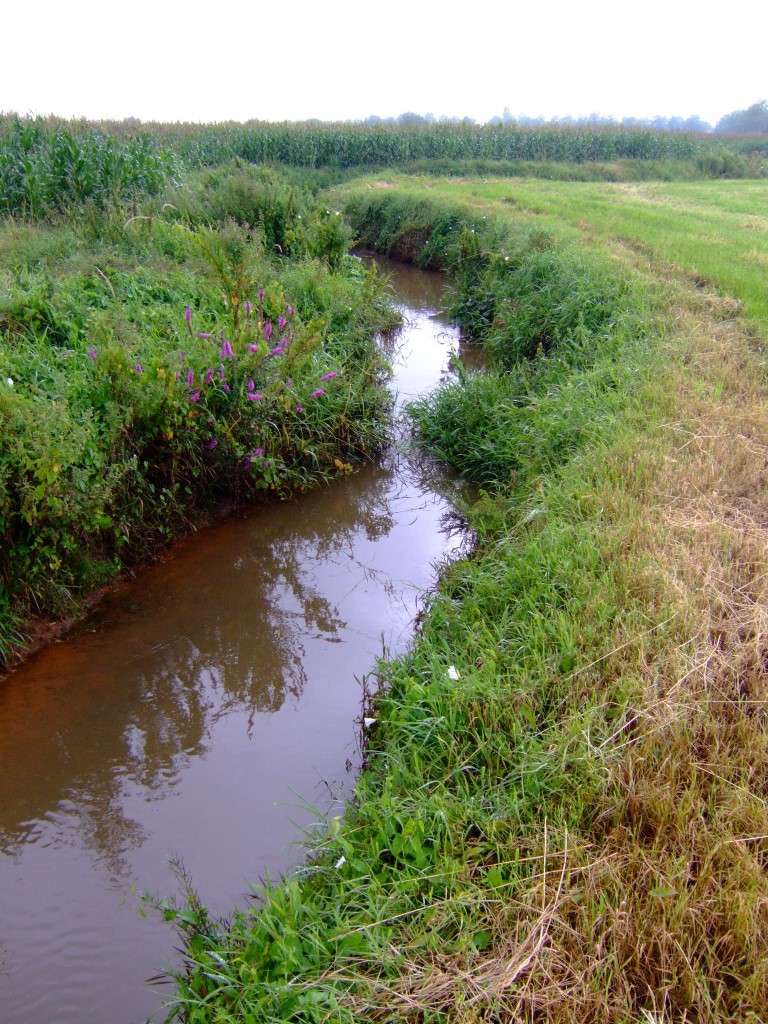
(292, 59)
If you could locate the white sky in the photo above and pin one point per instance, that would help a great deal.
(293, 59)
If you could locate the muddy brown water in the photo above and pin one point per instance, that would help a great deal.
(208, 711)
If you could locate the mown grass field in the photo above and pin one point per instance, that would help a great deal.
(714, 232)
(565, 816)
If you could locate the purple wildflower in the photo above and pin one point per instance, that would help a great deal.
(188, 314)
(289, 383)
(212, 443)
(255, 395)
(195, 396)
(291, 311)
(226, 387)
(250, 457)
(221, 373)
(316, 394)
(299, 408)
(254, 348)
(261, 293)
(138, 368)
(92, 353)
(191, 378)
(248, 309)
(209, 375)
(226, 350)
(251, 386)
(329, 376)
(267, 330)
(281, 322)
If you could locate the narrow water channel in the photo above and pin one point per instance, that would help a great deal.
(207, 711)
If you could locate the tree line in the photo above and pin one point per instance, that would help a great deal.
(752, 120)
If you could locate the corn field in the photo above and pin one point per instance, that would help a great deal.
(45, 169)
(353, 145)
(50, 165)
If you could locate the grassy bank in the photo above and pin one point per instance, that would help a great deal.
(564, 817)
(213, 344)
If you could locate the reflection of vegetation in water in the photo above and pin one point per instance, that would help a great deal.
(247, 657)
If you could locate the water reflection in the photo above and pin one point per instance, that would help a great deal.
(225, 626)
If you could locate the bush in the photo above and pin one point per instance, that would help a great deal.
(723, 163)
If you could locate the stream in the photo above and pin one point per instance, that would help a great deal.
(208, 711)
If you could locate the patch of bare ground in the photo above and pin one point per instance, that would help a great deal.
(754, 222)
(658, 910)
(646, 194)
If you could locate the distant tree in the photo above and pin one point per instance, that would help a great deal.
(695, 124)
(753, 119)
(410, 118)
(598, 120)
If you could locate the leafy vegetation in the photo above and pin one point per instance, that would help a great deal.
(153, 365)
